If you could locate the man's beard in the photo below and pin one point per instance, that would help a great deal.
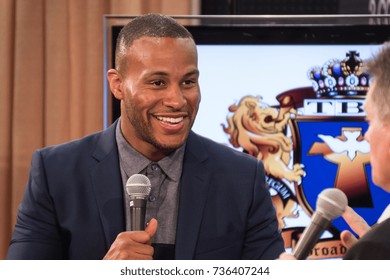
(145, 133)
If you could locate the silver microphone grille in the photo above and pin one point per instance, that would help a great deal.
(331, 203)
(138, 186)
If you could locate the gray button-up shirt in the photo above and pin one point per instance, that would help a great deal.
(165, 179)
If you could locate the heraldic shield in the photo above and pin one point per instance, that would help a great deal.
(313, 140)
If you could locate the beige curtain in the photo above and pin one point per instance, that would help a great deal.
(51, 81)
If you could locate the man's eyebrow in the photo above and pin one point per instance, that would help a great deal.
(157, 73)
(162, 73)
(193, 72)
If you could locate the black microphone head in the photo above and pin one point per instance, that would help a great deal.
(331, 203)
(138, 186)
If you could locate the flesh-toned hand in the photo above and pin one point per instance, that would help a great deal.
(133, 245)
(357, 224)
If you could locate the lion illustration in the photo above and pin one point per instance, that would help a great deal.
(259, 130)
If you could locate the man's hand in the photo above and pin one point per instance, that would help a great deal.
(133, 245)
(286, 257)
(357, 224)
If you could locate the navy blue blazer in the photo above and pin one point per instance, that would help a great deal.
(73, 204)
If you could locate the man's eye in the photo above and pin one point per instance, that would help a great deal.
(158, 83)
(188, 82)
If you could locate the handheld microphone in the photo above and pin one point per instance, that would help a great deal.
(138, 187)
(331, 203)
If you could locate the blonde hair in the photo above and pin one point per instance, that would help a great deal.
(379, 68)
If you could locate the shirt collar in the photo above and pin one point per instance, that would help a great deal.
(134, 162)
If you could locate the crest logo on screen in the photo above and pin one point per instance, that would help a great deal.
(312, 140)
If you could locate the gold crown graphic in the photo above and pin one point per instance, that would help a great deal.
(340, 78)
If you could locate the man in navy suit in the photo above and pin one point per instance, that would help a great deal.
(207, 200)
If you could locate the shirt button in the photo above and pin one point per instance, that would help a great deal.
(152, 198)
(155, 167)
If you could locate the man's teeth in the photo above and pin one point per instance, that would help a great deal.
(170, 120)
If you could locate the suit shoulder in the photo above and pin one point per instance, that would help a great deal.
(374, 245)
(83, 144)
(220, 150)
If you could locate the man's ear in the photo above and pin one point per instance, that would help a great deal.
(115, 80)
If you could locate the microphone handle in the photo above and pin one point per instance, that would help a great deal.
(310, 236)
(137, 214)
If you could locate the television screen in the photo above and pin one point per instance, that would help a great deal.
(291, 95)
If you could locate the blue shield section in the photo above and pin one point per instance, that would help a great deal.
(322, 173)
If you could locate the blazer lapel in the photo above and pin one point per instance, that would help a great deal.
(193, 194)
(107, 185)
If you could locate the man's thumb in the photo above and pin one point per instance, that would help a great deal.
(348, 239)
(152, 227)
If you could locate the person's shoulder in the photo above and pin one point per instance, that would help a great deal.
(86, 142)
(369, 249)
(95, 145)
(224, 150)
(374, 245)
